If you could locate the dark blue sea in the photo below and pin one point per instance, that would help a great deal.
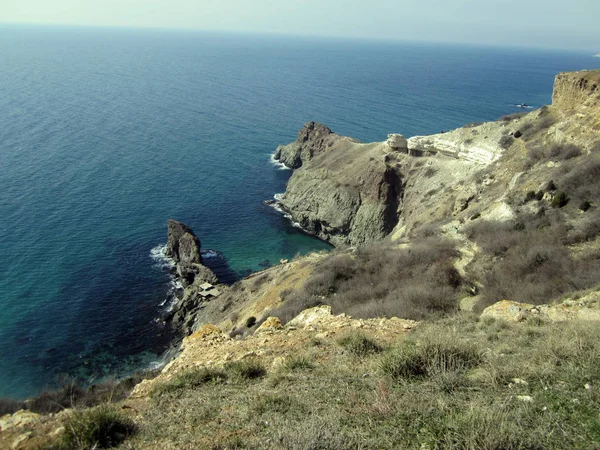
(107, 133)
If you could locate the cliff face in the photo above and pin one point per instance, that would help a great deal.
(183, 246)
(350, 193)
(577, 90)
(344, 192)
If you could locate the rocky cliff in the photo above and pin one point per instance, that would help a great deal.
(183, 246)
(577, 90)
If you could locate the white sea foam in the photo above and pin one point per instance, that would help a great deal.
(278, 164)
(159, 256)
(209, 254)
(277, 207)
(278, 197)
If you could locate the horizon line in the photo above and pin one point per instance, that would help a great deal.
(388, 40)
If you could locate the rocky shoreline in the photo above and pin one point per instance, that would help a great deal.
(200, 284)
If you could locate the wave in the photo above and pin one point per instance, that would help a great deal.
(160, 258)
(277, 207)
(208, 254)
(278, 164)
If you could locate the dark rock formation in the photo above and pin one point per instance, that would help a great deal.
(314, 138)
(343, 191)
(184, 247)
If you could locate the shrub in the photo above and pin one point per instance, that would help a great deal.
(101, 427)
(429, 172)
(529, 196)
(379, 280)
(250, 321)
(511, 117)
(506, 141)
(359, 344)
(73, 394)
(564, 151)
(585, 205)
(559, 200)
(10, 406)
(246, 369)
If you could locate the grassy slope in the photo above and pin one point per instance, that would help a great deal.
(454, 383)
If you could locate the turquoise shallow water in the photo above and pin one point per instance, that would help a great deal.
(105, 134)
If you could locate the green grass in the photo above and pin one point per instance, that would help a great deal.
(359, 344)
(100, 427)
(189, 380)
(454, 383)
(299, 362)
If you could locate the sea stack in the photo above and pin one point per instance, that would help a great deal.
(183, 246)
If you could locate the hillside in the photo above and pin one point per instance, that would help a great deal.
(458, 309)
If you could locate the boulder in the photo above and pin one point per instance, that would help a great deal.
(310, 316)
(397, 142)
(508, 310)
(271, 324)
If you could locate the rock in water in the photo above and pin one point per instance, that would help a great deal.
(313, 138)
(184, 247)
(182, 244)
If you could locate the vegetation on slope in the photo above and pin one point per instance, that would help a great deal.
(453, 383)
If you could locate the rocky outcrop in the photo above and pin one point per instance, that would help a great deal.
(586, 308)
(210, 347)
(577, 90)
(479, 143)
(344, 192)
(313, 139)
(183, 246)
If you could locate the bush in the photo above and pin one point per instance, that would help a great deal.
(559, 200)
(72, 394)
(298, 363)
(359, 344)
(379, 280)
(511, 117)
(101, 427)
(250, 321)
(564, 151)
(10, 406)
(506, 141)
(585, 205)
(529, 196)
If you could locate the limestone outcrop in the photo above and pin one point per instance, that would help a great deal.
(585, 308)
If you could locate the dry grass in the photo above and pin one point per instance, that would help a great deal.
(379, 280)
(454, 383)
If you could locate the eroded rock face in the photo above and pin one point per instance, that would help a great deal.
(577, 90)
(183, 246)
(344, 192)
(313, 138)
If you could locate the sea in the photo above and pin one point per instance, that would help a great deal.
(105, 134)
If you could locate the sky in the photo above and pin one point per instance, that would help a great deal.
(571, 24)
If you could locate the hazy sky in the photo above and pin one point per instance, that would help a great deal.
(547, 23)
